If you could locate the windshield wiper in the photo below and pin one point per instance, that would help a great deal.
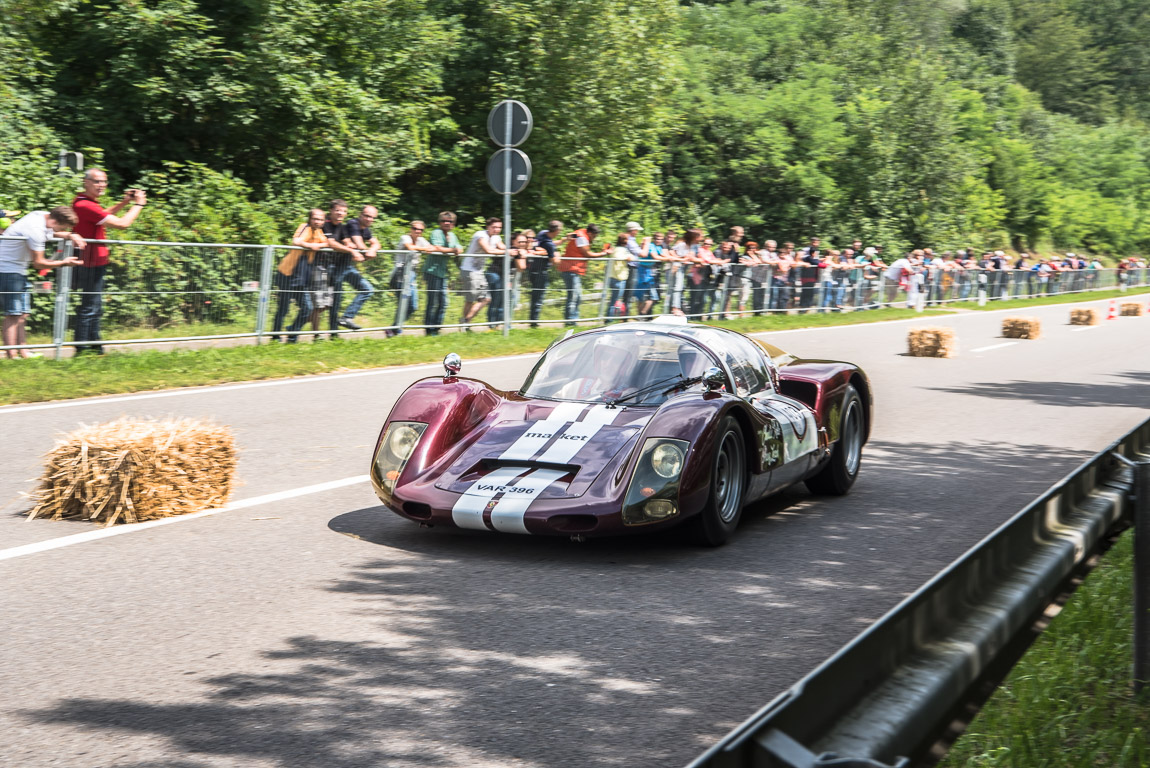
(651, 388)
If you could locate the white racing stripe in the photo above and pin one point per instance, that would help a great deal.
(469, 508)
(509, 512)
(578, 434)
(539, 433)
(118, 530)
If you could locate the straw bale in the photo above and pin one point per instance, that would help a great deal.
(133, 470)
(1021, 328)
(1084, 317)
(1130, 309)
(932, 341)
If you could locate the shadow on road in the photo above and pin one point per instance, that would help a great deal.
(490, 650)
(1070, 394)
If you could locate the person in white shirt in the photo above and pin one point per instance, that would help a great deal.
(15, 255)
(484, 244)
(898, 269)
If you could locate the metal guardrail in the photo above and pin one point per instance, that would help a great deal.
(162, 293)
(886, 697)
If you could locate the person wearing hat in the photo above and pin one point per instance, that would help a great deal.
(645, 288)
(6, 219)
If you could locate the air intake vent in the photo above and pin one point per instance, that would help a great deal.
(417, 510)
(803, 391)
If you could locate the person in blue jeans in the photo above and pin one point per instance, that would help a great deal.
(358, 236)
(497, 276)
(411, 245)
(15, 255)
(618, 273)
(339, 257)
(293, 275)
(539, 267)
(444, 243)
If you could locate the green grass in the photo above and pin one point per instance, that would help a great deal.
(26, 381)
(1069, 701)
(1059, 298)
(42, 379)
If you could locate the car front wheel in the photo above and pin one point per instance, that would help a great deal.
(720, 517)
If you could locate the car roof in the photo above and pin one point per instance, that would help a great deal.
(709, 336)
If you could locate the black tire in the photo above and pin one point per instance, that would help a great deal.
(838, 475)
(720, 516)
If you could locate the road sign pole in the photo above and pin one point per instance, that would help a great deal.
(507, 225)
(508, 125)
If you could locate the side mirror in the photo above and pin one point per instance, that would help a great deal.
(714, 378)
(452, 364)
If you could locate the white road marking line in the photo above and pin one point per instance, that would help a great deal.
(250, 385)
(509, 511)
(420, 366)
(995, 346)
(469, 507)
(1085, 328)
(117, 530)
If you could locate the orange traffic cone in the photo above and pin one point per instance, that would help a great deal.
(1113, 313)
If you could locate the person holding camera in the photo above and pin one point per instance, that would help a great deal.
(15, 255)
(92, 224)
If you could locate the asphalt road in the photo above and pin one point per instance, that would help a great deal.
(321, 630)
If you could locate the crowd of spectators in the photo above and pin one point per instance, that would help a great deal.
(686, 273)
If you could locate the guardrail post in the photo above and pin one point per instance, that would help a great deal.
(1141, 575)
(60, 311)
(606, 295)
(265, 292)
(405, 281)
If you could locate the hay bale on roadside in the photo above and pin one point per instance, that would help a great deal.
(1130, 309)
(133, 470)
(1084, 317)
(1021, 328)
(934, 341)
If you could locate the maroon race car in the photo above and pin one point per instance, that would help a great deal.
(622, 429)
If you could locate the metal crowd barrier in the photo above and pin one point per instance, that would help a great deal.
(887, 696)
(184, 292)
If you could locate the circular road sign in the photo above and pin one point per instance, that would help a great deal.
(521, 123)
(520, 171)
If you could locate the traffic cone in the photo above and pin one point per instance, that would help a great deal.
(1113, 313)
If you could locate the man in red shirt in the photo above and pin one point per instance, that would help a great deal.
(89, 278)
(572, 265)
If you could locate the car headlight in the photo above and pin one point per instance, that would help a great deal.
(667, 460)
(396, 447)
(653, 495)
(402, 439)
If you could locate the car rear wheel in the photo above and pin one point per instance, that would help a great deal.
(838, 475)
(720, 517)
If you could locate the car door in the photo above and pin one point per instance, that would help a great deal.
(788, 436)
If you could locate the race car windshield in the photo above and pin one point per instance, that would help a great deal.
(616, 365)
